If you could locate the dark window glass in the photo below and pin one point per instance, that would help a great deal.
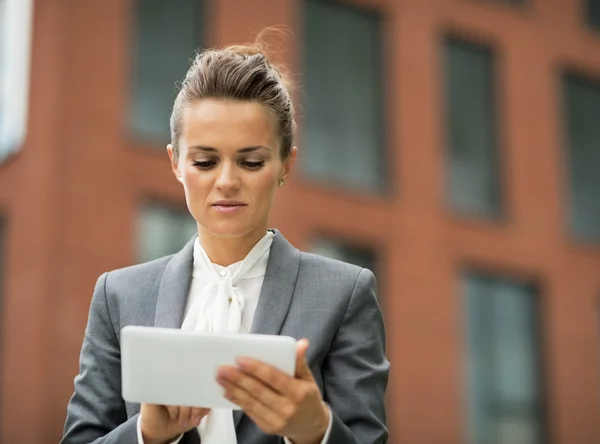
(167, 35)
(582, 112)
(353, 254)
(503, 344)
(162, 230)
(343, 116)
(473, 176)
(593, 13)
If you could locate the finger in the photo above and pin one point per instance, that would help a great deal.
(262, 392)
(190, 414)
(198, 413)
(267, 420)
(270, 426)
(302, 368)
(267, 374)
(183, 418)
(172, 412)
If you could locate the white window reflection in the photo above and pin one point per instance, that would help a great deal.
(15, 42)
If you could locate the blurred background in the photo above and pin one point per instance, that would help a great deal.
(452, 146)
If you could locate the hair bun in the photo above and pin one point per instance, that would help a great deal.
(245, 50)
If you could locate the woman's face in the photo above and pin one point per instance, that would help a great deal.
(230, 166)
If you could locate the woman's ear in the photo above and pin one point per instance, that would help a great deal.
(288, 164)
(174, 162)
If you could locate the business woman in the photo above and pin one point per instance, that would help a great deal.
(232, 147)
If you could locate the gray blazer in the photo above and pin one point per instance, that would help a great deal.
(331, 303)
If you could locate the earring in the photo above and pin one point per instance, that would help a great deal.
(180, 179)
(281, 182)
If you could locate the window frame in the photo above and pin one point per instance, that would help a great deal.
(536, 287)
(581, 75)
(499, 214)
(385, 155)
(141, 210)
(590, 22)
(149, 143)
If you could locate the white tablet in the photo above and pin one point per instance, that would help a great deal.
(168, 366)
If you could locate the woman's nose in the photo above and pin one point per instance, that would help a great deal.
(227, 177)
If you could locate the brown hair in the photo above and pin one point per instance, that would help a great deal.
(238, 72)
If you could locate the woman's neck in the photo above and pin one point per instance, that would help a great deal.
(224, 250)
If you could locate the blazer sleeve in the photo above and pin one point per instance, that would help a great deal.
(96, 411)
(355, 372)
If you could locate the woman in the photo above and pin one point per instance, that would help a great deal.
(232, 131)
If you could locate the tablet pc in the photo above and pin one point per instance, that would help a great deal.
(169, 366)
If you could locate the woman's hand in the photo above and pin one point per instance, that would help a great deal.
(163, 424)
(279, 404)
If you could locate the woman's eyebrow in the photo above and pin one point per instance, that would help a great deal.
(209, 149)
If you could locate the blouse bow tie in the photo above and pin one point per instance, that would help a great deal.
(219, 309)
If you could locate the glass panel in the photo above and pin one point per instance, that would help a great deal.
(515, 314)
(162, 230)
(480, 368)
(473, 175)
(582, 101)
(166, 38)
(363, 257)
(504, 387)
(593, 13)
(343, 125)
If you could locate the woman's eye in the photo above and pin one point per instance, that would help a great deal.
(253, 165)
(204, 164)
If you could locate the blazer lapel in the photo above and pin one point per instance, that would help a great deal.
(174, 287)
(276, 292)
(277, 288)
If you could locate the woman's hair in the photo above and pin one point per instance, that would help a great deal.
(242, 73)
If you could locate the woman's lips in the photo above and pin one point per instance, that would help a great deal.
(228, 208)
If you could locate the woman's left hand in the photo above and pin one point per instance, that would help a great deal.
(279, 404)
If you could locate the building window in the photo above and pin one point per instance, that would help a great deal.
(582, 108)
(343, 142)
(167, 35)
(15, 42)
(593, 13)
(474, 188)
(162, 230)
(353, 254)
(503, 343)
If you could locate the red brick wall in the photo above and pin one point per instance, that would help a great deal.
(70, 197)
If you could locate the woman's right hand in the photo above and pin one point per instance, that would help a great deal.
(163, 424)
